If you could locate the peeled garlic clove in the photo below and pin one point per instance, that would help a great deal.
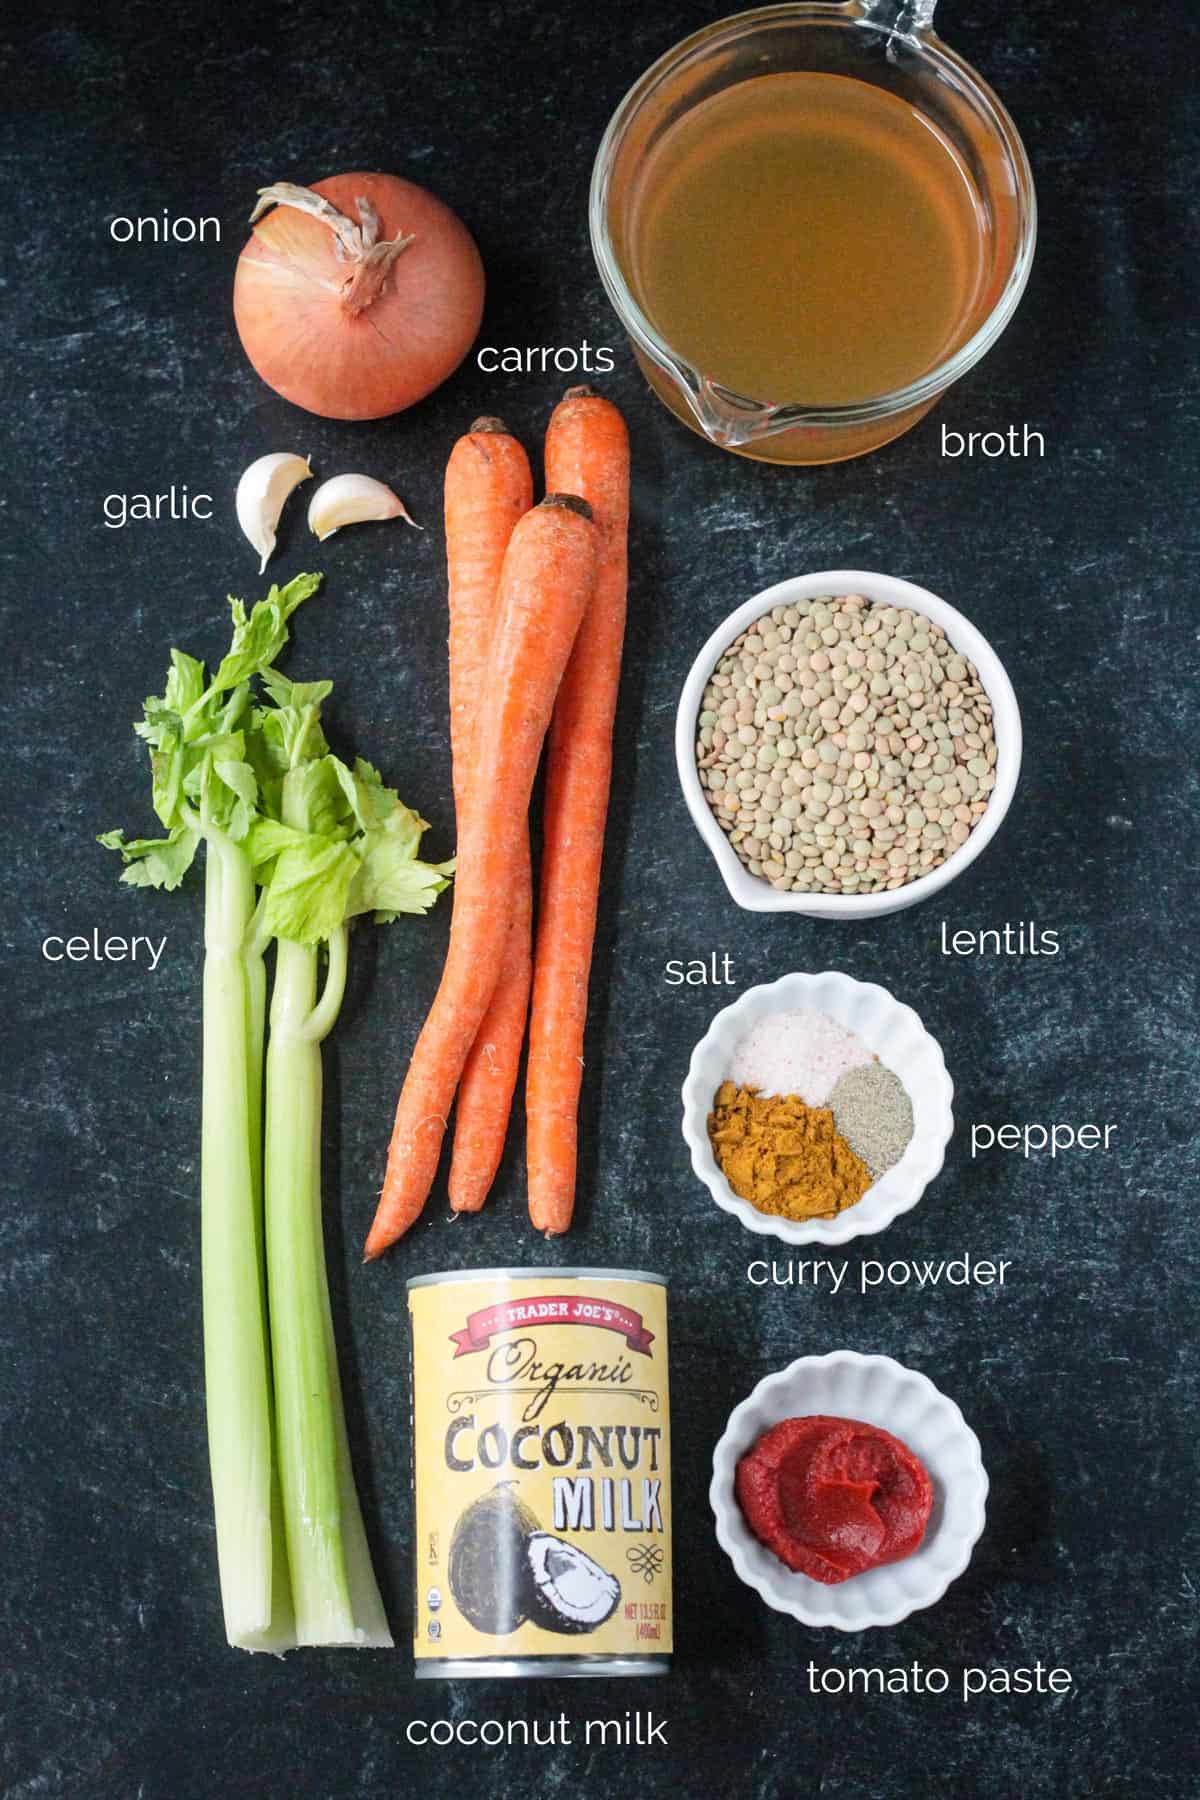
(351, 499)
(262, 493)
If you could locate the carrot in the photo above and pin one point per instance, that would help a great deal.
(488, 488)
(489, 1077)
(545, 584)
(587, 451)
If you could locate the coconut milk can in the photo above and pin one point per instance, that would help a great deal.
(541, 1473)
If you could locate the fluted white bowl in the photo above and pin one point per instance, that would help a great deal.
(879, 1392)
(894, 1034)
(751, 891)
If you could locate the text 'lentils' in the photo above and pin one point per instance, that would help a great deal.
(845, 747)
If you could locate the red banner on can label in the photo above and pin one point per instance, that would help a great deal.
(551, 1309)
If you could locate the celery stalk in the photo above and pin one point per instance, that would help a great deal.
(337, 844)
(282, 1635)
(253, 1575)
(206, 765)
(325, 843)
(336, 1597)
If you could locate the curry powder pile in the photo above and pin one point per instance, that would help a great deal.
(782, 1156)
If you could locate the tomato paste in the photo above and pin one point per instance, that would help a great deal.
(834, 1497)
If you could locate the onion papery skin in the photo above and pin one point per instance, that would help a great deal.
(306, 344)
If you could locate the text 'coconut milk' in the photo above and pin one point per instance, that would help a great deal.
(542, 1473)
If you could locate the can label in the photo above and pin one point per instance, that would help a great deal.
(542, 1466)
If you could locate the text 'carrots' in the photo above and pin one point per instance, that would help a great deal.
(587, 452)
(546, 582)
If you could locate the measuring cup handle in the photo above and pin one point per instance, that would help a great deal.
(904, 18)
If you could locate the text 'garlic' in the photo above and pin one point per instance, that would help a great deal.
(262, 494)
(350, 500)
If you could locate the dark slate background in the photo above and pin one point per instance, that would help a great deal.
(122, 373)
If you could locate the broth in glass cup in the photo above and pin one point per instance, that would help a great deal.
(811, 219)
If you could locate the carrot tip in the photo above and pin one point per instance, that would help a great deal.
(489, 423)
(377, 1242)
(583, 392)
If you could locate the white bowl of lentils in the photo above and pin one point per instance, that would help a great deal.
(847, 744)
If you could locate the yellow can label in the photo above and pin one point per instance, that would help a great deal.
(542, 1466)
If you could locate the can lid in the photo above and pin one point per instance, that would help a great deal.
(476, 1668)
(540, 1273)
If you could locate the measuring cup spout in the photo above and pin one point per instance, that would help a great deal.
(725, 417)
(902, 18)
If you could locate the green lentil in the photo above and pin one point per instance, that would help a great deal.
(885, 732)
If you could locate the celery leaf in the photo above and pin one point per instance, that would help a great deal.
(307, 892)
(154, 862)
(391, 880)
(258, 639)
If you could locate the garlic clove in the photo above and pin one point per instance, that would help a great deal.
(262, 493)
(350, 500)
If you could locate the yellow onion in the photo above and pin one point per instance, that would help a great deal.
(358, 296)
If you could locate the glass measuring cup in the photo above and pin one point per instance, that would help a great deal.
(888, 44)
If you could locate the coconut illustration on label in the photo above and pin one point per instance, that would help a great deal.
(487, 1556)
(541, 1442)
(569, 1591)
(504, 1570)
